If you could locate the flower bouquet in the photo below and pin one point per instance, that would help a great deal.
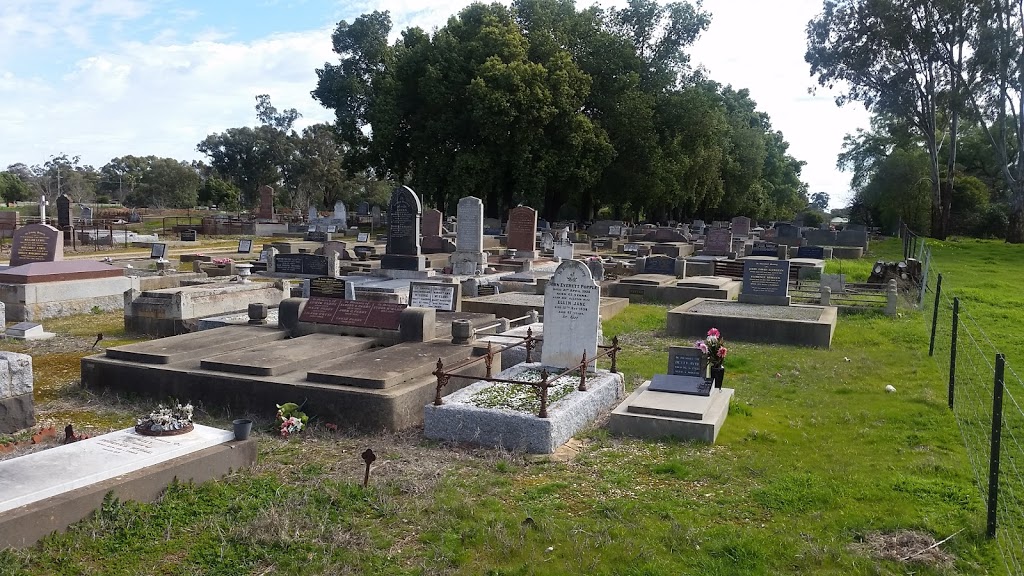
(290, 419)
(166, 421)
(713, 348)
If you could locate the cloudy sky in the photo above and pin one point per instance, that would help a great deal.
(106, 78)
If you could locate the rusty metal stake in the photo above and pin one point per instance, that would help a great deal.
(529, 345)
(615, 350)
(440, 382)
(489, 359)
(583, 373)
(543, 394)
(368, 457)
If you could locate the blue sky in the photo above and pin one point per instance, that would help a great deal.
(106, 78)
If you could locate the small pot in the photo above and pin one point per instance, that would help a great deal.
(243, 427)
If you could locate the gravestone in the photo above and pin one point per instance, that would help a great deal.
(816, 252)
(63, 211)
(188, 236)
(741, 226)
(492, 226)
(363, 209)
(564, 250)
(469, 257)
(17, 410)
(765, 249)
(360, 313)
(687, 361)
(692, 385)
(630, 248)
(363, 237)
(264, 256)
(434, 295)
(615, 231)
(331, 228)
(718, 242)
(328, 287)
(522, 230)
(86, 215)
(304, 264)
(659, 264)
(547, 241)
(245, 245)
(432, 222)
(572, 302)
(787, 231)
(340, 212)
(596, 266)
(266, 211)
(37, 243)
(375, 216)
(158, 251)
(313, 236)
(765, 282)
(312, 214)
(403, 247)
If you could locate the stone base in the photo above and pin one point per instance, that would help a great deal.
(647, 414)
(796, 325)
(468, 263)
(764, 300)
(398, 274)
(403, 262)
(16, 413)
(24, 526)
(34, 302)
(458, 421)
(847, 252)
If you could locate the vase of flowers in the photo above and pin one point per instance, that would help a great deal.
(166, 421)
(290, 419)
(714, 350)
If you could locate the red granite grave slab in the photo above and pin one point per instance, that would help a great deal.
(39, 272)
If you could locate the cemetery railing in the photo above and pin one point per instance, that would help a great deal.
(444, 374)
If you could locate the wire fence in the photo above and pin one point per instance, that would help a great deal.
(986, 397)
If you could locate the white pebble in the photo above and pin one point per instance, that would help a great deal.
(890, 388)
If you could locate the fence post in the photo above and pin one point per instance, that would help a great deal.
(935, 314)
(543, 393)
(952, 349)
(993, 461)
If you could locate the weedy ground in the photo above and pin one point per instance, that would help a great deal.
(817, 471)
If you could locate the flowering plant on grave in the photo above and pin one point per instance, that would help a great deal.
(713, 347)
(165, 419)
(222, 261)
(290, 419)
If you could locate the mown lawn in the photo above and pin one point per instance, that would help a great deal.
(815, 467)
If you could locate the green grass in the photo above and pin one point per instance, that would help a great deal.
(814, 459)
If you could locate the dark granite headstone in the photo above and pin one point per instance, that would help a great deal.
(660, 265)
(37, 243)
(817, 252)
(692, 385)
(404, 222)
(326, 287)
(314, 236)
(305, 264)
(630, 248)
(188, 236)
(522, 229)
(158, 250)
(686, 361)
(787, 231)
(245, 245)
(765, 249)
(765, 282)
(63, 211)
(363, 237)
(432, 219)
(363, 209)
(361, 313)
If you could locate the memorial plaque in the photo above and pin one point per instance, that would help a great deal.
(522, 229)
(326, 287)
(314, 236)
(404, 223)
(630, 248)
(245, 246)
(188, 236)
(433, 295)
(361, 313)
(572, 301)
(660, 265)
(615, 231)
(331, 228)
(692, 385)
(363, 237)
(766, 278)
(817, 252)
(264, 256)
(305, 264)
(718, 242)
(37, 243)
(686, 361)
(157, 251)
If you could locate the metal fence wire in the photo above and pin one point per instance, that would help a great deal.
(986, 397)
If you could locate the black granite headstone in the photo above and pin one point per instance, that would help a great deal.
(404, 222)
(327, 287)
(765, 282)
(686, 361)
(245, 245)
(817, 252)
(157, 250)
(306, 264)
(314, 236)
(188, 236)
(660, 265)
(765, 249)
(63, 211)
(692, 385)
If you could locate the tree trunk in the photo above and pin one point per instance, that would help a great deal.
(1015, 233)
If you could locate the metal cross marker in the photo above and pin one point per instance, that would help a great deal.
(368, 457)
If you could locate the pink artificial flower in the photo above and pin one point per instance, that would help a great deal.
(714, 333)
(722, 352)
(703, 347)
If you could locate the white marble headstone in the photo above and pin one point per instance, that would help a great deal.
(572, 302)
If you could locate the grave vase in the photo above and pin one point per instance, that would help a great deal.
(718, 375)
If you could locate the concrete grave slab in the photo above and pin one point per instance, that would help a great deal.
(648, 414)
(794, 325)
(184, 346)
(386, 367)
(282, 356)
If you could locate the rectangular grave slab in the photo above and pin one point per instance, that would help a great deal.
(285, 356)
(692, 385)
(386, 367)
(186, 346)
(51, 472)
(361, 313)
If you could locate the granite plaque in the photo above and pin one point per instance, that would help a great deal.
(765, 249)
(692, 385)
(433, 295)
(326, 287)
(305, 264)
(660, 265)
(686, 361)
(245, 245)
(363, 237)
(331, 228)
(314, 236)
(766, 278)
(157, 250)
(522, 229)
(361, 313)
(631, 248)
(37, 243)
(188, 236)
(817, 252)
